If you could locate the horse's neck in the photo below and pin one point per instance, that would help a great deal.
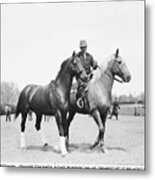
(107, 77)
(103, 77)
(64, 81)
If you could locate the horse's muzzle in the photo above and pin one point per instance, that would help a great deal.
(127, 78)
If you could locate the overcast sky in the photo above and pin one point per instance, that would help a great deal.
(36, 38)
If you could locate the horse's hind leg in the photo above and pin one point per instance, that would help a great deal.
(9, 117)
(38, 128)
(23, 121)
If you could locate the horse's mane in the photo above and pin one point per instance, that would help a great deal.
(64, 63)
(102, 68)
(62, 67)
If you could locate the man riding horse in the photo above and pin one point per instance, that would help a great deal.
(89, 65)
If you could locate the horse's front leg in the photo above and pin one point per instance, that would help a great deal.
(98, 120)
(38, 128)
(103, 116)
(70, 117)
(60, 119)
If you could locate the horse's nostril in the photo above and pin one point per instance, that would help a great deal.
(128, 78)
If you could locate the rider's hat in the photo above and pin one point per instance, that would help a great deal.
(83, 43)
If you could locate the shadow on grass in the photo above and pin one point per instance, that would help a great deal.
(42, 148)
(85, 147)
(81, 147)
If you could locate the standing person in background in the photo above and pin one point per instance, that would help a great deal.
(115, 109)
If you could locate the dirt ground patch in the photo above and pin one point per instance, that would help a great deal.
(124, 140)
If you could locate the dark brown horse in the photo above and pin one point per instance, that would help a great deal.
(52, 99)
(98, 98)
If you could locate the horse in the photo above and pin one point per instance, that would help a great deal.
(98, 97)
(7, 109)
(51, 99)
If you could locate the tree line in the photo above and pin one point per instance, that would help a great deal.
(10, 93)
(129, 99)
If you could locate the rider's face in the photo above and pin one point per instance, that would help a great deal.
(83, 49)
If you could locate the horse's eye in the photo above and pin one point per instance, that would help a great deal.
(119, 62)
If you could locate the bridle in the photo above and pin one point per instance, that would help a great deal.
(118, 80)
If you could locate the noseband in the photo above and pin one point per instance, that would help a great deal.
(120, 81)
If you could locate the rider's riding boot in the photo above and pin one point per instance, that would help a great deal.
(82, 90)
(79, 101)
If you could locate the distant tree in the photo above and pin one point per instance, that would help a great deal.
(130, 98)
(142, 97)
(9, 93)
(123, 98)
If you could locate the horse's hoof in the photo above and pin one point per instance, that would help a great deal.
(104, 150)
(64, 154)
(46, 144)
(69, 148)
(92, 147)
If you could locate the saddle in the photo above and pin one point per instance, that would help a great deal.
(82, 100)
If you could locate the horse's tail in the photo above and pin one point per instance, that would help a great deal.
(17, 111)
(19, 106)
(22, 105)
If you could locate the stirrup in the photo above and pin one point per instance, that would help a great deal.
(80, 103)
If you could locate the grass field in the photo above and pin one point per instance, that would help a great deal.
(124, 140)
(129, 110)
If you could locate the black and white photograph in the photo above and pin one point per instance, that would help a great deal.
(73, 84)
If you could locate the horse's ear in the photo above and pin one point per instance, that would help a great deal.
(117, 52)
(73, 53)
